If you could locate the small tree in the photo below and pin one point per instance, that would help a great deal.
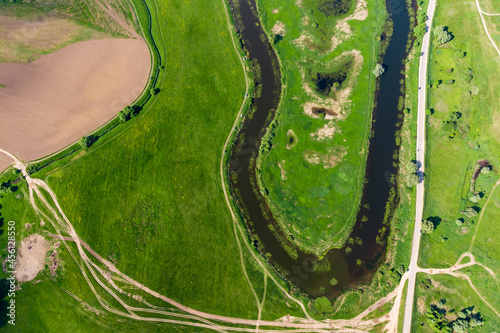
(486, 170)
(334, 282)
(411, 167)
(379, 70)
(427, 227)
(122, 117)
(460, 325)
(441, 35)
(412, 180)
(475, 197)
(470, 212)
(85, 142)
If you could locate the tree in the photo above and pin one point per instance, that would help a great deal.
(460, 325)
(470, 212)
(122, 117)
(411, 167)
(442, 35)
(85, 142)
(412, 180)
(475, 197)
(379, 70)
(427, 227)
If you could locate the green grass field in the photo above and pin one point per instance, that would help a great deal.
(457, 295)
(42, 27)
(315, 183)
(150, 197)
(454, 147)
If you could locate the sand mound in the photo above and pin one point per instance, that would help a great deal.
(31, 257)
(52, 101)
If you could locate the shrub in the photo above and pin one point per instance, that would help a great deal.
(442, 35)
(429, 112)
(412, 180)
(122, 117)
(475, 197)
(379, 70)
(427, 227)
(459, 222)
(486, 170)
(411, 167)
(85, 142)
(322, 305)
(333, 282)
(470, 212)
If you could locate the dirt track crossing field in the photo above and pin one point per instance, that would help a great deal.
(52, 101)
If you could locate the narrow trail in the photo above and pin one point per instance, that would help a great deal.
(40, 192)
(481, 12)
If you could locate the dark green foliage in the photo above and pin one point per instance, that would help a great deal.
(85, 142)
(321, 266)
(334, 7)
(277, 38)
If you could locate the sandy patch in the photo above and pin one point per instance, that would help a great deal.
(303, 40)
(53, 101)
(278, 28)
(339, 107)
(275, 11)
(31, 257)
(325, 132)
(329, 160)
(282, 169)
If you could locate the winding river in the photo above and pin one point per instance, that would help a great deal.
(380, 165)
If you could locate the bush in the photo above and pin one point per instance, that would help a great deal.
(411, 167)
(427, 227)
(85, 142)
(429, 112)
(379, 70)
(470, 212)
(486, 170)
(475, 197)
(333, 282)
(122, 117)
(442, 35)
(412, 180)
(322, 305)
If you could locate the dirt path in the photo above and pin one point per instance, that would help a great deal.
(482, 213)
(481, 12)
(62, 225)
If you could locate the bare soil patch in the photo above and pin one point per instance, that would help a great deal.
(20, 38)
(278, 28)
(31, 257)
(325, 132)
(53, 101)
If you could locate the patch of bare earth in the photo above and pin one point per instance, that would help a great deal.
(343, 30)
(325, 132)
(275, 11)
(279, 28)
(282, 169)
(53, 101)
(338, 107)
(31, 257)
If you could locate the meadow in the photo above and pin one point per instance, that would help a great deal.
(314, 172)
(148, 195)
(462, 139)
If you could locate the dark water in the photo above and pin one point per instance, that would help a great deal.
(263, 228)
